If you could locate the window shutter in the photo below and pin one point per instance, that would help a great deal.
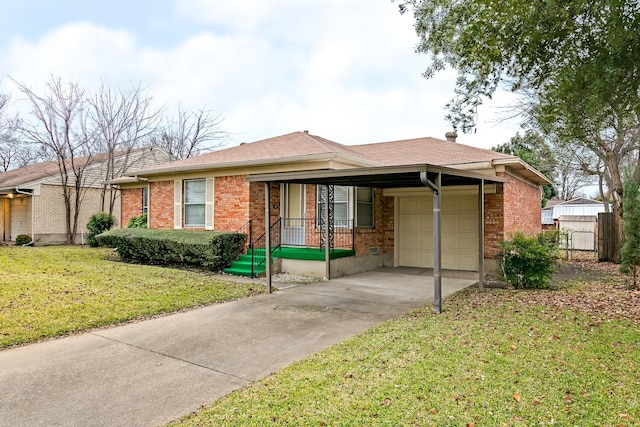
(208, 211)
(177, 204)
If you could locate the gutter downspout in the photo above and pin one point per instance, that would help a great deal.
(33, 217)
(437, 240)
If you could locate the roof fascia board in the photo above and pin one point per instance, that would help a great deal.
(518, 161)
(474, 165)
(350, 161)
(523, 179)
(319, 174)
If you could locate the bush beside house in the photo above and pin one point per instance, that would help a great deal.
(210, 250)
(98, 224)
(529, 261)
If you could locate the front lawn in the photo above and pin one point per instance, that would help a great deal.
(51, 291)
(501, 358)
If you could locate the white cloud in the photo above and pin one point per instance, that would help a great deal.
(343, 69)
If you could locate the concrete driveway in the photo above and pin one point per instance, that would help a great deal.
(155, 371)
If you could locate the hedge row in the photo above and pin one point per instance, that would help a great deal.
(211, 250)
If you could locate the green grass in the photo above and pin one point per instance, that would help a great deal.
(52, 291)
(487, 360)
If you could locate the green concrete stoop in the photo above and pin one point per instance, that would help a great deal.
(242, 267)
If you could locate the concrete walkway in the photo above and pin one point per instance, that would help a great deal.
(155, 371)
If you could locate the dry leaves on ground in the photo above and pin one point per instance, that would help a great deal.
(597, 289)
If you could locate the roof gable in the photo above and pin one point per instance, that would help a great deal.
(292, 145)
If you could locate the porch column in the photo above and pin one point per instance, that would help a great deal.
(267, 233)
(437, 246)
(481, 235)
(327, 233)
(437, 275)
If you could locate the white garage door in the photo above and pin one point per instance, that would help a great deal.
(459, 226)
(19, 216)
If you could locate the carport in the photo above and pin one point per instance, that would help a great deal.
(411, 176)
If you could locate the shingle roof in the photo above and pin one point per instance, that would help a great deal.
(300, 144)
(31, 173)
(292, 145)
(427, 150)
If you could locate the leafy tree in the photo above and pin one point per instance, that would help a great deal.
(576, 168)
(534, 150)
(579, 59)
(631, 224)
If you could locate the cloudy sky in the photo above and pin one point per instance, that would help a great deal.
(342, 69)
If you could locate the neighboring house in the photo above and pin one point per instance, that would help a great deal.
(579, 206)
(578, 217)
(382, 211)
(32, 203)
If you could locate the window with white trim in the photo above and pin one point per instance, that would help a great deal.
(194, 202)
(350, 204)
(145, 200)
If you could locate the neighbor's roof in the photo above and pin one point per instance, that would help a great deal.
(32, 173)
(301, 146)
(37, 172)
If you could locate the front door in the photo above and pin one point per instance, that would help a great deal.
(293, 215)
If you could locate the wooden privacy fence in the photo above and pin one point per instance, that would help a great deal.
(606, 240)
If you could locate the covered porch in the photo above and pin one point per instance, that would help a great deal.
(434, 178)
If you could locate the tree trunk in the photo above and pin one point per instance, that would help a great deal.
(616, 189)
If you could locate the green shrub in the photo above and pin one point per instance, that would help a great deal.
(138, 221)
(23, 239)
(99, 223)
(529, 262)
(210, 250)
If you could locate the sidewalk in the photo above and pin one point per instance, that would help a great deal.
(152, 372)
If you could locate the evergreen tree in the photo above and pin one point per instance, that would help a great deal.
(631, 227)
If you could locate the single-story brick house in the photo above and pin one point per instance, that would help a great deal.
(32, 203)
(380, 209)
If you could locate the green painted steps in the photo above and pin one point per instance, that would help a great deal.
(242, 267)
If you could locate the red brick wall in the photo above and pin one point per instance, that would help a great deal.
(366, 238)
(522, 208)
(493, 221)
(131, 204)
(231, 203)
(161, 205)
(388, 224)
(514, 207)
(257, 208)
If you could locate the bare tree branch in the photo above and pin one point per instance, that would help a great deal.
(60, 126)
(124, 121)
(191, 133)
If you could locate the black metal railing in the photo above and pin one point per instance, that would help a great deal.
(303, 232)
(259, 246)
(307, 232)
(247, 229)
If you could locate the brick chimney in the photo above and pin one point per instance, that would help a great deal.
(451, 136)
